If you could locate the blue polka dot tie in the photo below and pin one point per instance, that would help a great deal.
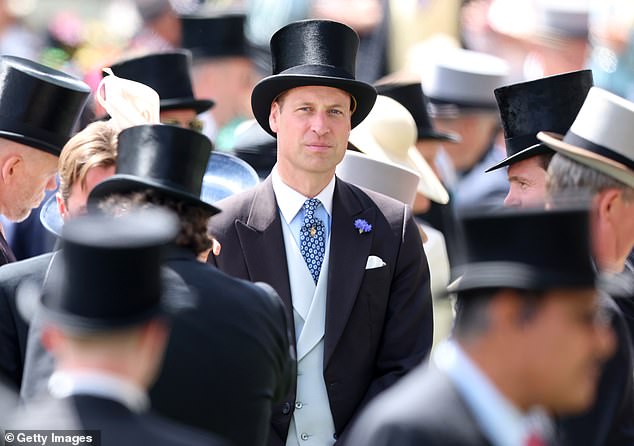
(312, 238)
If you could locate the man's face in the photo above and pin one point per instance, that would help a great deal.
(78, 198)
(312, 126)
(34, 175)
(564, 345)
(527, 180)
(185, 118)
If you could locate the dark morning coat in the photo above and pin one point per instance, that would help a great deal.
(423, 409)
(228, 359)
(378, 322)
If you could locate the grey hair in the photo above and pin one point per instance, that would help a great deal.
(567, 176)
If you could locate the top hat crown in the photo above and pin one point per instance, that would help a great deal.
(526, 108)
(215, 36)
(601, 136)
(169, 74)
(116, 262)
(166, 158)
(533, 249)
(411, 96)
(313, 52)
(39, 106)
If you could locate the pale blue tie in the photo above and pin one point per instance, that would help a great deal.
(312, 238)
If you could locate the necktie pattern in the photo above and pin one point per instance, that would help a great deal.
(312, 238)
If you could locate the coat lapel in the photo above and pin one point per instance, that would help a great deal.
(349, 251)
(262, 243)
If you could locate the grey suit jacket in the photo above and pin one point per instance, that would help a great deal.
(379, 321)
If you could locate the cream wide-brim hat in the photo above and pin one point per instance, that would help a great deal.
(389, 134)
(601, 137)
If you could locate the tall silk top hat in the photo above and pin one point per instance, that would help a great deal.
(601, 136)
(389, 179)
(108, 275)
(39, 106)
(410, 95)
(388, 134)
(313, 52)
(459, 80)
(549, 104)
(215, 36)
(165, 158)
(169, 74)
(533, 249)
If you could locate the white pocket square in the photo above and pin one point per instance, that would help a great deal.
(374, 262)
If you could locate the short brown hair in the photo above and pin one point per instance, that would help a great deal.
(94, 146)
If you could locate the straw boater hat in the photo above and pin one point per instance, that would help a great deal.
(313, 52)
(601, 136)
(389, 134)
(526, 108)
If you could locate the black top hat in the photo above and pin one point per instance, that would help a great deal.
(411, 96)
(532, 249)
(216, 36)
(166, 158)
(108, 275)
(167, 73)
(313, 52)
(39, 106)
(549, 104)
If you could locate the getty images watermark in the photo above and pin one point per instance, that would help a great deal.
(52, 437)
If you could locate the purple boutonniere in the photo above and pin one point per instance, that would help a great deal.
(362, 225)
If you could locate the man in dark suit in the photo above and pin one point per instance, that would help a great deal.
(529, 339)
(348, 263)
(229, 357)
(40, 107)
(108, 349)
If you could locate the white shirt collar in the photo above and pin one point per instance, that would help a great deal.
(65, 383)
(501, 422)
(290, 201)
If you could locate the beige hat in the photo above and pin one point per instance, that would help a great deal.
(389, 134)
(601, 136)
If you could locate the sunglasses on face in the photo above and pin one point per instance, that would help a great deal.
(195, 125)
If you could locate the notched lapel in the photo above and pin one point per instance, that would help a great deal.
(349, 252)
(262, 243)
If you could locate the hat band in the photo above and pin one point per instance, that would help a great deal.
(518, 143)
(55, 140)
(576, 140)
(318, 70)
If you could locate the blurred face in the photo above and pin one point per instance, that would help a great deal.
(78, 198)
(33, 175)
(527, 180)
(185, 118)
(564, 345)
(312, 125)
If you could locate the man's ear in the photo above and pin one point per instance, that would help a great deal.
(273, 116)
(607, 205)
(10, 167)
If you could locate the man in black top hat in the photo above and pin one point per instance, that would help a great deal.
(229, 357)
(223, 70)
(528, 335)
(109, 348)
(526, 108)
(169, 74)
(39, 107)
(347, 263)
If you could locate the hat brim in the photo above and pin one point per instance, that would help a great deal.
(53, 149)
(226, 175)
(440, 136)
(123, 183)
(50, 217)
(429, 185)
(198, 105)
(514, 275)
(271, 87)
(529, 152)
(588, 158)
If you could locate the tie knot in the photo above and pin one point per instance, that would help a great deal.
(310, 205)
